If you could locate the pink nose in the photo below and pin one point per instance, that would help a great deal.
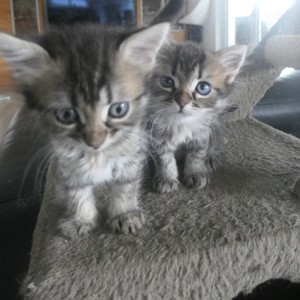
(182, 102)
(95, 139)
(95, 145)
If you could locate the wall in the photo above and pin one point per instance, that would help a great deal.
(6, 16)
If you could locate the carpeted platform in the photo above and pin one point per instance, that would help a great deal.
(241, 231)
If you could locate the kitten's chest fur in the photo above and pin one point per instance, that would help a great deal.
(97, 169)
(91, 169)
(184, 131)
(187, 132)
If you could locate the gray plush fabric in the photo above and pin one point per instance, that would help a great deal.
(211, 244)
(242, 230)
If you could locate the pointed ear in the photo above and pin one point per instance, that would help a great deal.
(140, 49)
(232, 58)
(27, 60)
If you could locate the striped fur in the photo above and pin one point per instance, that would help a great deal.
(79, 79)
(179, 117)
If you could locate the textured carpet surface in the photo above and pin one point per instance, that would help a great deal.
(242, 230)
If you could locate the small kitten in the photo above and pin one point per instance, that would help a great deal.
(188, 91)
(87, 83)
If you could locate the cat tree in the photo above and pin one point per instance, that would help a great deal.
(242, 230)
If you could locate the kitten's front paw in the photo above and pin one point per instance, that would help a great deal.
(197, 180)
(73, 229)
(164, 186)
(127, 223)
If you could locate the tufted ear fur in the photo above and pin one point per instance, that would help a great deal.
(232, 58)
(141, 48)
(26, 59)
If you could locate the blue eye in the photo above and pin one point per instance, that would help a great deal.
(167, 82)
(119, 109)
(66, 116)
(203, 88)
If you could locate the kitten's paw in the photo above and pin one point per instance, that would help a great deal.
(197, 180)
(164, 186)
(127, 223)
(73, 228)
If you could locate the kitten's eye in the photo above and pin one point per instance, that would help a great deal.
(119, 109)
(203, 88)
(67, 116)
(167, 82)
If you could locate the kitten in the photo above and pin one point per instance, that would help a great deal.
(188, 91)
(87, 83)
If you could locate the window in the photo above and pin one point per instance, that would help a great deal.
(241, 22)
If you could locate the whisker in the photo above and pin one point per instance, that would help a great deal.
(40, 156)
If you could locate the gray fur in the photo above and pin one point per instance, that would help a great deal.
(179, 117)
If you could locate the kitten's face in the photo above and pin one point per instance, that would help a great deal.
(91, 112)
(188, 80)
(87, 82)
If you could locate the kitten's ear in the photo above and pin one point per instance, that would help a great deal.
(27, 60)
(232, 58)
(140, 49)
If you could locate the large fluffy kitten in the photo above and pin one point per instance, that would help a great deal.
(87, 83)
(188, 93)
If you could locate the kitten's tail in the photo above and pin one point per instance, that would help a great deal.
(171, 12)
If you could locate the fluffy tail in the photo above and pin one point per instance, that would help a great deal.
(171, 12)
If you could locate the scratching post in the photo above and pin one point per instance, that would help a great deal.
(283, 51)
(242, 230)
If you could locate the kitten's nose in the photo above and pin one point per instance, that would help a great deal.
(95, 145)
(95, 139)
(182, 102)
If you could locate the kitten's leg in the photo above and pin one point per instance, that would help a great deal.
(124, 214)
(82, 212)
(166, 173)
(196, 172)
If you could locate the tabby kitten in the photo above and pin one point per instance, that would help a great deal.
(188, 91)
(87, 83)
